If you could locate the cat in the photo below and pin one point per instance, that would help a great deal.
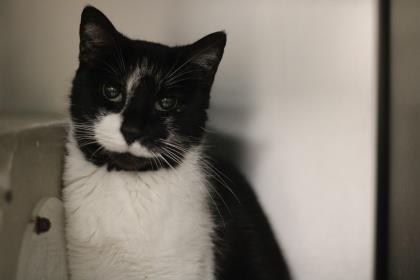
(142, 200)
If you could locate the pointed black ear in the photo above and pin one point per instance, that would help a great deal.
(208, 51)
(97, 34)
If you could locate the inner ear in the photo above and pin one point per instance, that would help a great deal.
(206, 58)
(97, 34)
(94, 35)
(208, 51)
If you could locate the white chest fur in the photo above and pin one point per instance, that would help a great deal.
(137, 225)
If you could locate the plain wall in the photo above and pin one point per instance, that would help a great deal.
(297, 84)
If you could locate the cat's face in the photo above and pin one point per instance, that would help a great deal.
(137, 105)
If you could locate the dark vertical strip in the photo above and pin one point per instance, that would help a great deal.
(383, 143)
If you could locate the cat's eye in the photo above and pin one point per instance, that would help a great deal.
(111, 93)
(167, 104)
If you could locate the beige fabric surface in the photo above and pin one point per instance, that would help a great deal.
(31, 157)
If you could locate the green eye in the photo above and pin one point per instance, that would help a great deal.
(111, 93)
(167, 104)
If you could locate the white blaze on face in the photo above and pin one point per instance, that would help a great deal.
(133, 81)
(134, 78)
(108, 134)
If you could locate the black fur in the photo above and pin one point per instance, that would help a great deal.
(245, 247)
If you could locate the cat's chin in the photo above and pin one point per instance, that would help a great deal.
(128, 162)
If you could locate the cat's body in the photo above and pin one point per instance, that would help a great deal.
(141, 199)
(153, 225)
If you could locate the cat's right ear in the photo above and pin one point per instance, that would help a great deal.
(97, 34)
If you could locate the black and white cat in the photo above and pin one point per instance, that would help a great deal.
(141, 200)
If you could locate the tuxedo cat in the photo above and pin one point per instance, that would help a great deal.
(142, 198)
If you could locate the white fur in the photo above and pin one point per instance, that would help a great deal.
(153, 225)
(108, 134)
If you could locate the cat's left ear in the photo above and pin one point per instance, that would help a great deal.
(208, 51)
(97, 34)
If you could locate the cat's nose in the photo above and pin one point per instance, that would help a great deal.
(130, 132)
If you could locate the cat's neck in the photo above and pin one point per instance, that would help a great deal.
(78, 167)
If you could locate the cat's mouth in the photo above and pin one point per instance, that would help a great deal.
(128, 162)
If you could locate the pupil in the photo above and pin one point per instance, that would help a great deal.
(167, 102)
(112, 92)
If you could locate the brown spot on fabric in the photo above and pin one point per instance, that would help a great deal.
(8, 196)
(42, 225)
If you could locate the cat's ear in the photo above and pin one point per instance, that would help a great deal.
(97, 34)
(208, 51)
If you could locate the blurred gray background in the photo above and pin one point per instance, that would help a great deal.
(297, 85)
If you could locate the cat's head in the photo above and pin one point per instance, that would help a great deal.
(137, 105)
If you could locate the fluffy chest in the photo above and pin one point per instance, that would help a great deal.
(125, 225)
